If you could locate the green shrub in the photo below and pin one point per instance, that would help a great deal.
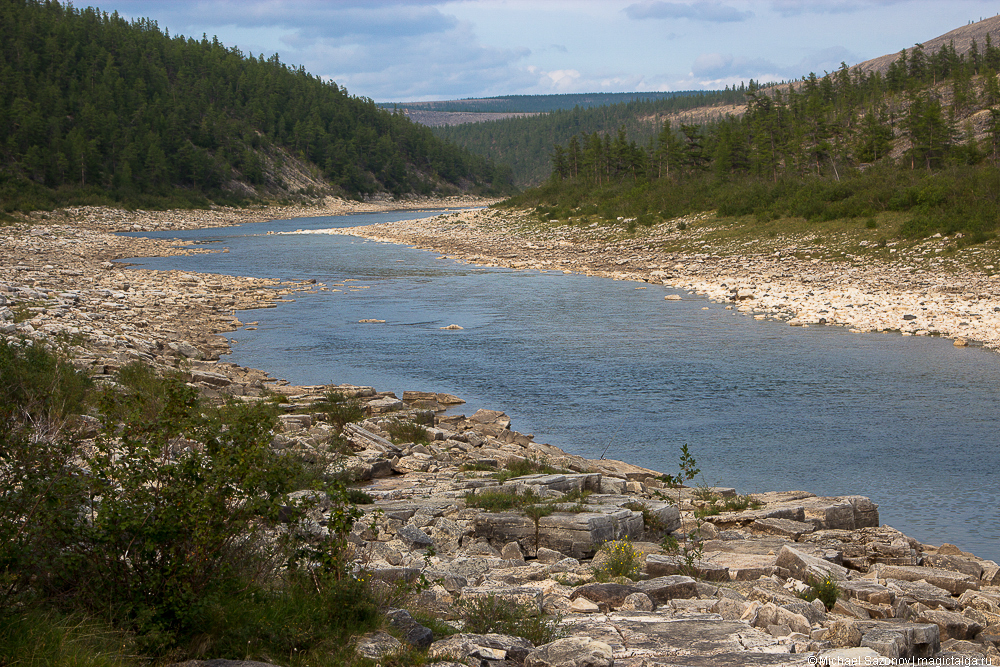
(497, 614)
(620, 559)
(825, 590)
(38, 387)
(341, 410)
(651, 521)
(406, 431)
(739, 502)
(172, 533)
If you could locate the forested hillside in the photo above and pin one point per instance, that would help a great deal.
(922, 139)
(97, 109)
(526, 144)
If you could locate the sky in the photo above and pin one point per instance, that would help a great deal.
(419, 50)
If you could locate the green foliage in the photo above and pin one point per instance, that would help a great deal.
(526, 143)
(168, 531)
(619, 559)
(493, 613)
(824, 590)
(341, 410)
(38, 387)
(132, 115)
(359, 497)
(820, 149)
(522, 467)
(501, 500)
(688, 469)
(406, 431)
(716, 504)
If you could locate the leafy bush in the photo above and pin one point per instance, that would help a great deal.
(406, 431)
(166, 529)
(620, 559)
(825, 590)
(341, 410)
(37, 387)
(501, 615)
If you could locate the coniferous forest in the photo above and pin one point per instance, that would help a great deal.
(923, 139)
(524, 144)
(98, 109)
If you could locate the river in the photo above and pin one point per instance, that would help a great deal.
(593, 365)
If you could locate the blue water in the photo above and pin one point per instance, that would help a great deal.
(588, 363)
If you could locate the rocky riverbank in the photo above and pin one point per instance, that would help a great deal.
(717, 578)
(717, 575)
(59, 281)
(916, 289)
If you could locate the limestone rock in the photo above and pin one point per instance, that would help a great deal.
(664, 589)
(377, 645)
(609, 596)
(952, 625)
(955, 583)
(413, 632)
(803, 566)
(491, 646)
(571, 652)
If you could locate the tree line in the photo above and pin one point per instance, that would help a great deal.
(97, 105)
(848, 128)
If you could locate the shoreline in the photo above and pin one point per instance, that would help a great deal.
(62, 283)
(900, 296)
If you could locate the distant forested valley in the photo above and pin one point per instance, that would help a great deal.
(525, 144)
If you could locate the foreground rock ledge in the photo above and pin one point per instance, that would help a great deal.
(734, 602)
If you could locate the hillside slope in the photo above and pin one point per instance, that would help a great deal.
(97, 109)
(961, 38)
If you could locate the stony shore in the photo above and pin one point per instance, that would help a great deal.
(915, 290)
(723, 591)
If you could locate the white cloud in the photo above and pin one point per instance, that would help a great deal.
(713, 12)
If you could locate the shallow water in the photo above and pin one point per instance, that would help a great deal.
(590, 364)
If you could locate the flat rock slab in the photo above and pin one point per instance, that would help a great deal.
(699, 640)
(663, 589)
(576, 535)
(955, 583)
(744, 567)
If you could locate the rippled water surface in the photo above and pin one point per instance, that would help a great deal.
(590, 364)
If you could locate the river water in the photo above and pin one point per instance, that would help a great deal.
(591, 364)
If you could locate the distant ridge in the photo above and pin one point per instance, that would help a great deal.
(508, 104)
(962, 38)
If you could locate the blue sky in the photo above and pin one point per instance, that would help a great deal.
(401, 51)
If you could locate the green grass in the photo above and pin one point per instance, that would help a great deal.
(522, 467)
(501, 500)
(401, 431)
(494, 613)
(36, 637)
